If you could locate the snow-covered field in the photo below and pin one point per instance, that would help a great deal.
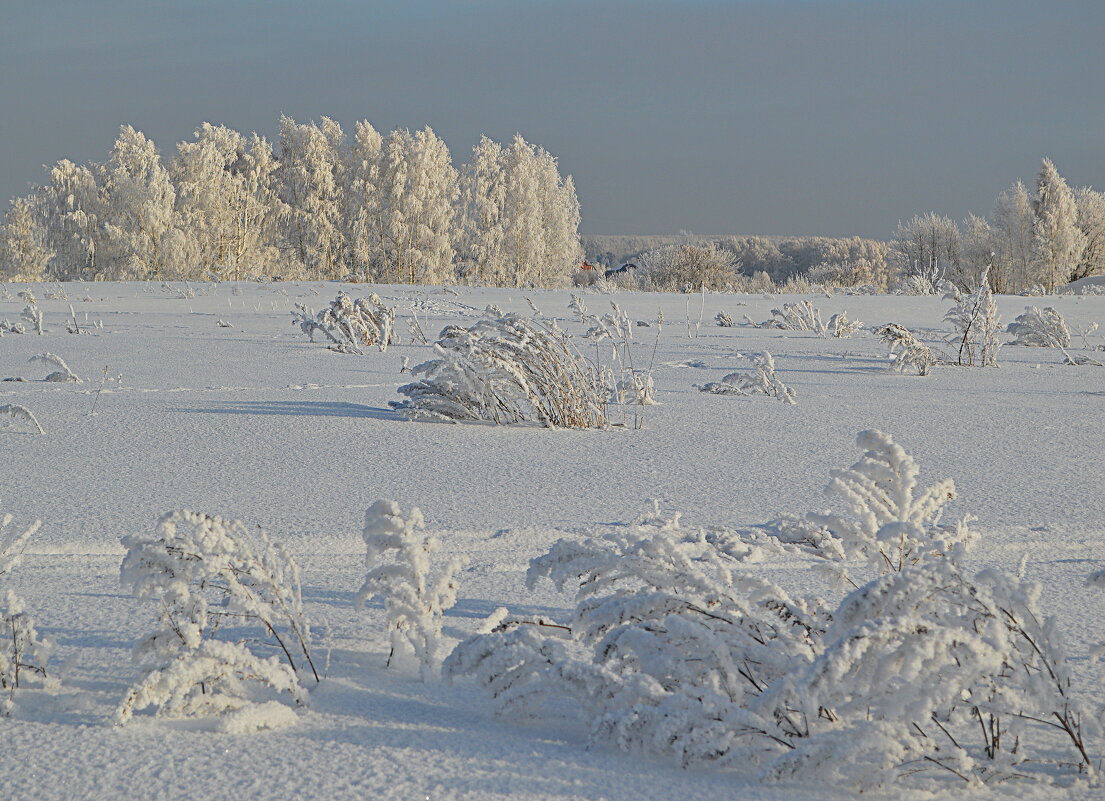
(251, 421)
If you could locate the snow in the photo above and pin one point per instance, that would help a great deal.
(256, 423)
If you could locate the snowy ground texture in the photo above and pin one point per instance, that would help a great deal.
(251, 421)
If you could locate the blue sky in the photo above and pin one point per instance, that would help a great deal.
(835, 117)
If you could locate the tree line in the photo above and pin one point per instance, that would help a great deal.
(317, 205)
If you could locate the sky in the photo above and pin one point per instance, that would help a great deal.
(826, 117)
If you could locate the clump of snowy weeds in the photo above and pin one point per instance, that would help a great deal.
(763, 381)
(923, 674)
(906, 351)
(507, 369)
(398, 559)
(215, 583)
(1040, 328)
(350, 324)
(23, 653)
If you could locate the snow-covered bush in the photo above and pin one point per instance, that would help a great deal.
(62, 374)
(215, 583)
(350, 324)
(32, 315)
(762, 382)
(681, 648)
(724, 319)
(21, 418)
(1040, 328)
(23, 654)
(977, 323)
(398, 562)
(507, 370)
(905, 350)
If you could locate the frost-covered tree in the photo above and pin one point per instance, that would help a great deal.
(72, 208)
(398, 559)
(226, 198)
(688, 266)
(364, 209)
(927, 248)
(520, 216)
(211, 577)
(1057, 242)
(418, 190)
(1012, 228)
(24, 252)
(484, 192)
(143, 235)
(1091, 222)
(310, 180)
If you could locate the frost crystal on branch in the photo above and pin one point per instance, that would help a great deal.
(398, 561)
(209, 576)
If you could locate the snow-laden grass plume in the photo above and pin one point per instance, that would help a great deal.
(21, 418)
(398, 558)
(507, 369)
(62, 374)
(1040, 328)
(922, 675)
(763, 381)
(906, 351)
(350, 324)
(211, 577)
(23, 653)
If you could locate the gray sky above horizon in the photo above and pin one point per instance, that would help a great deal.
(833, 117)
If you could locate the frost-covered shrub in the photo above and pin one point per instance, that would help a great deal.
(350, 324)
(678, 647)
(1040, 328)
(398, 562)
(23, 653)
(977, 323)
(724, 319)
(215, 584)
(887, 518)
(905, 350)
(763, 381)
(507, 370)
